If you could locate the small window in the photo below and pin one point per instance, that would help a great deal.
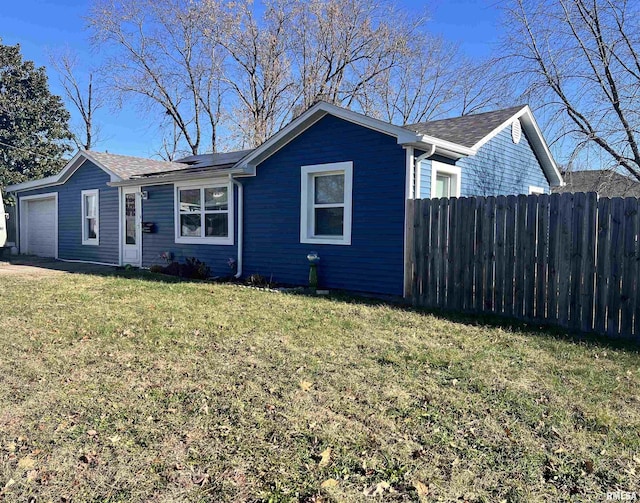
(443, 185)
(203, 214)
(325, 216)
(533, 190)
(90, 217)
(445, 180)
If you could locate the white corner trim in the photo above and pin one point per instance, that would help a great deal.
(307, 207)
(447, 169)
(204, 184)
(534, 189)
(22, 234)
(85, 240)
(120, 228)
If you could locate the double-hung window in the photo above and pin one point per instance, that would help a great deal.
(325, 203)
(204, 213)
(90, 217)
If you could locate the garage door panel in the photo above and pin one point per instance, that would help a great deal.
(41, 227)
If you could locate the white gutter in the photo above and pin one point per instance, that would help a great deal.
(426, 155)
(240, 224)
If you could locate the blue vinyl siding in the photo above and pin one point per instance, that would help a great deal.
(159, 209)
(374, 261)
(87, 177)
(500, 167)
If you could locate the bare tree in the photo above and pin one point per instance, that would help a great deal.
(259, 75)
(581, 60)
(81, 93)
(416, 89)
(340, 47)
(159, 52)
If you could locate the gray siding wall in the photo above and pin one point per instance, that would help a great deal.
(500, 167)
(87, 177)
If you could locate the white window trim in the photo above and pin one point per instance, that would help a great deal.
(203, 184)
(85, 240)
(446, 169)
(307, 206)
(533, 189)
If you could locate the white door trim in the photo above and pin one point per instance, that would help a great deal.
(122, 225)
(24, 213)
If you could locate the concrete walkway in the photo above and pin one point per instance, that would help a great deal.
(37, 266)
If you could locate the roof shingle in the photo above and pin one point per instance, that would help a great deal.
(127, 166)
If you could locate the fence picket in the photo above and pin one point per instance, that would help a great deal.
(615, 259)
(501, 213)
(488, 237)
(542, 256)
(530, 244)
(478, 283)
(434, 260)
(468, 218)
(587, 300)
(627, 268)
(510, 257)
(575, 281)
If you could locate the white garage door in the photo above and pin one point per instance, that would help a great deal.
(39, 234)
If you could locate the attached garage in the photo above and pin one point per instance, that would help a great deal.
(39, 225)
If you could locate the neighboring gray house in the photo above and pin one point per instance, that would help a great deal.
(606, 183)
(331, 181)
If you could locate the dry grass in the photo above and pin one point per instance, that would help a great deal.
(132, 389)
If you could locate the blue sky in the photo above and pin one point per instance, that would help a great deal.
(41, 26)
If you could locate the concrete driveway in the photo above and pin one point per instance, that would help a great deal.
(37, 266)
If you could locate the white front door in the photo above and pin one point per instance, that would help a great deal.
(131, 212)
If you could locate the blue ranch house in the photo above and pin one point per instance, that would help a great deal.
(332, 181)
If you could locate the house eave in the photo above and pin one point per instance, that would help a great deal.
(169, 178)
(65, 173)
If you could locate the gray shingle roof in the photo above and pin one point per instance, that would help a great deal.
(606, 183)
(127, 166)
(466, 130)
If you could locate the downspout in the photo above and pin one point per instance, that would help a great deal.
(417, 170)
(240, 224)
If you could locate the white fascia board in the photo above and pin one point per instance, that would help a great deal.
(69, 169)
(534, 134)
(447, 148)
(177, 177)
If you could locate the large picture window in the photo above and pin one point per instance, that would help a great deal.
(204, 213)
(325, 216)
(90, 217)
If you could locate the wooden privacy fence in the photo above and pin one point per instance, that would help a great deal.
(566, 259)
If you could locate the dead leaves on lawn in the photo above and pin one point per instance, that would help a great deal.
(422, 490)
(305, 385)
(325, 457)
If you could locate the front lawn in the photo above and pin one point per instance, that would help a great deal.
(140, 389)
